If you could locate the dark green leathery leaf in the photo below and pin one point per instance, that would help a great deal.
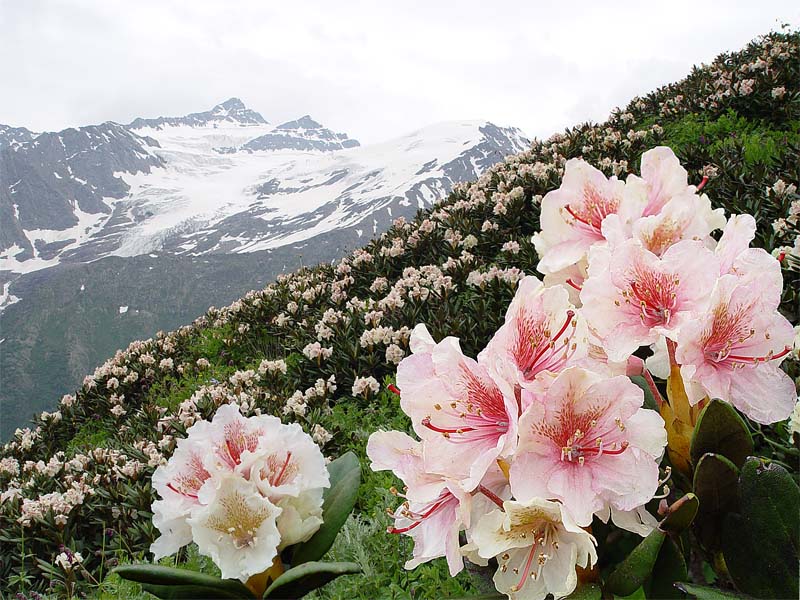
(298, 581)
(669, 569)
(632, 572)
(585, 591)
(760, 543)
(703, 592)
(716, 483)
(169, 582)
(721, 430)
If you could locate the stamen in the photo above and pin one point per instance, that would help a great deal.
(491, 495)
(427, 423)
(526, 570)
(576, 217)
(573, 285)
(755, 359)
(177, 491)
(283, 469)
(418, 518)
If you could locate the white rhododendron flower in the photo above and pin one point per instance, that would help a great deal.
(236, 527)
(537, 547)
(242, 488)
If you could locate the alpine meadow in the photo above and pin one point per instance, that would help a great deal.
(576, 376)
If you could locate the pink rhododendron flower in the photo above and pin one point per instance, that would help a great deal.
(571, 278)
(734, 349)
(465, 418)
(736, 257)
(588, 442)
(663, 178)
(685, 217)
(537, 546)
(632, 296)
(436, 508)
(543, 333)
(572, 216)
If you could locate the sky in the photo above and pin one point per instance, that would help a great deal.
(374, 70)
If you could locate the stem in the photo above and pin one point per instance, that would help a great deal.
(491, 495)
(653, 389)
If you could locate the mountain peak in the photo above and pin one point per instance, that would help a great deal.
(232, 110)
(304, 122)
(231, 104)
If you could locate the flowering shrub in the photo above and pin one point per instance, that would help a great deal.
(522, 449)
(79, 479)
(244, 490)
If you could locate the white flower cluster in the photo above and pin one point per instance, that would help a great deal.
(480, 279)
(68, 560)
(363, 385)
(315, 350)
(242, 489)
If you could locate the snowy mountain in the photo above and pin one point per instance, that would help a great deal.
(111, 232)
(221, 181)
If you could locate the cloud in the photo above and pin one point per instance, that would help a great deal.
(374, 70)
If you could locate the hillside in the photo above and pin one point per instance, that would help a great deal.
(81, 476)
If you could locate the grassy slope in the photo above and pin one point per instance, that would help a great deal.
(751, 139)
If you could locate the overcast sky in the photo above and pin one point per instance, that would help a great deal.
(372, 69)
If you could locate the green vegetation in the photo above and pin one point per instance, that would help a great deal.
(746, 143)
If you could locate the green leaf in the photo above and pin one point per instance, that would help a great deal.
(670, 568)
(338, 502)
(649, 400)
(637, 595)
(632, 572)
(703, 592)
(760, 545)
(716, 483)
(720, 430)
(298, 581)
(188, 592)
(585, 591)
(681, 514)
(168, 582)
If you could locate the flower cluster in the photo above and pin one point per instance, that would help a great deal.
(519, 449)
(649, 273)
(522, 448)
(242, 489)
